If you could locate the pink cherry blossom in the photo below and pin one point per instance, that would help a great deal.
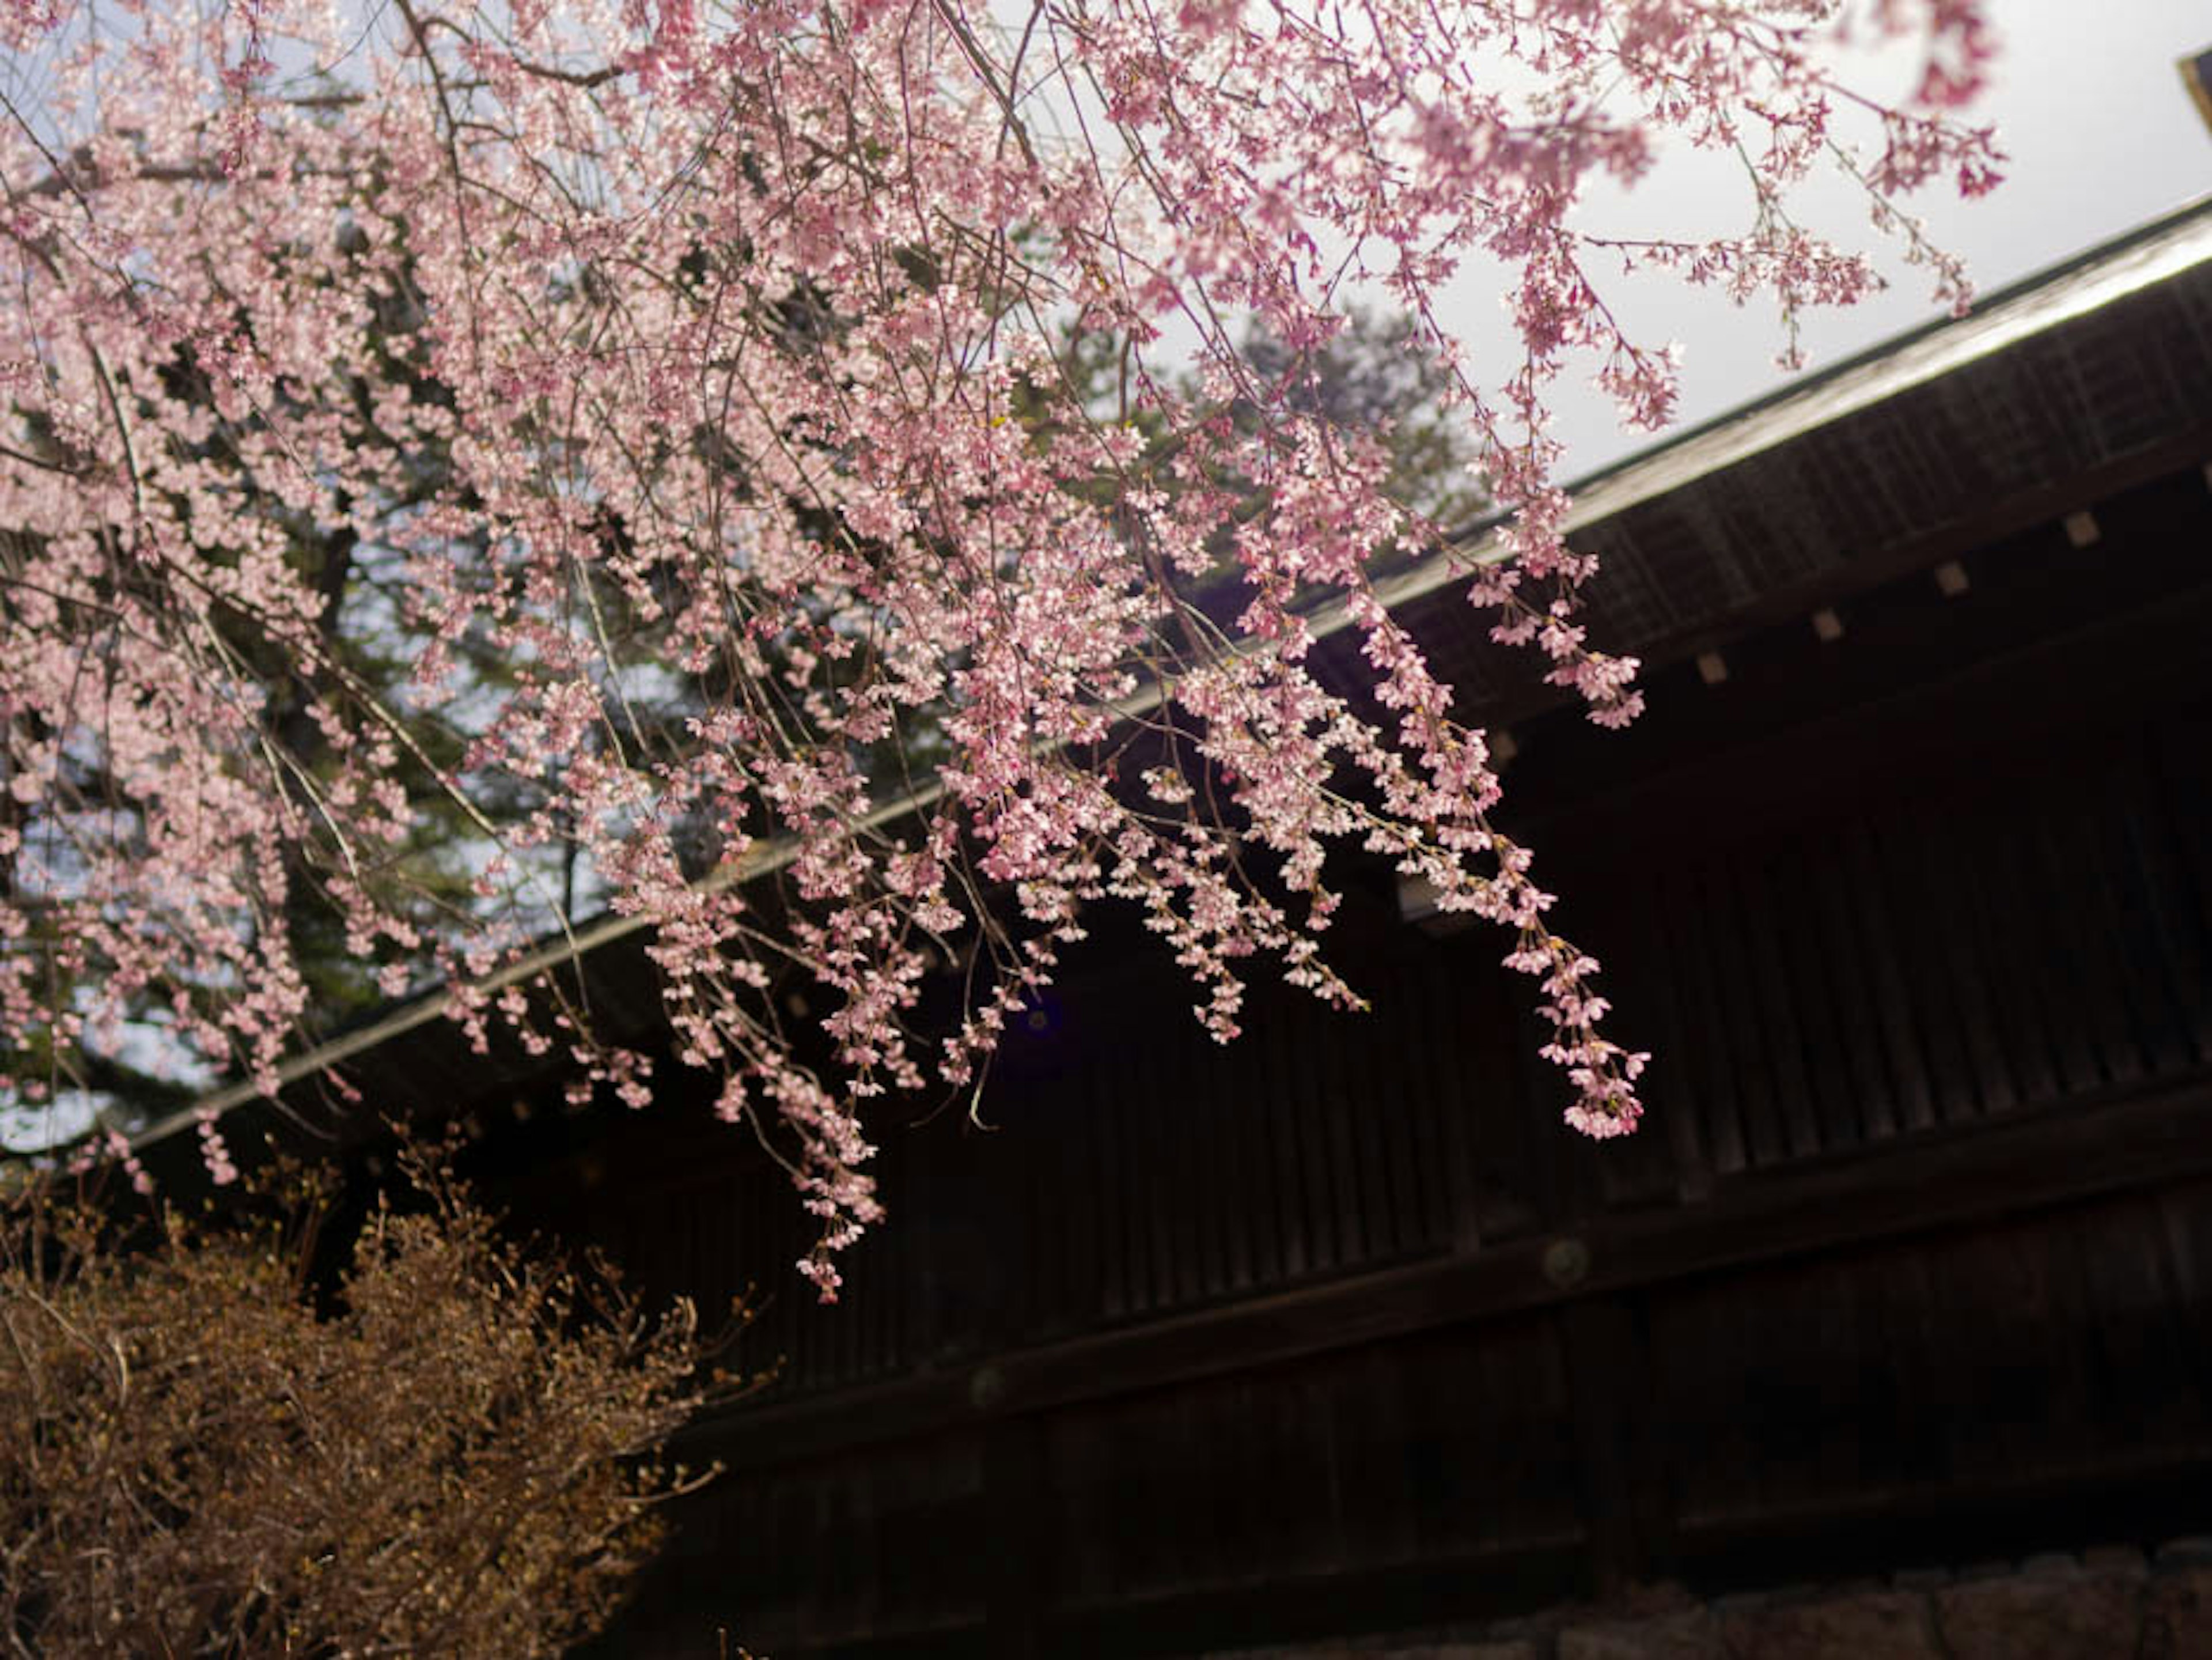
(651, 441)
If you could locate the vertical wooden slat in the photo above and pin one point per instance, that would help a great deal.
(2016, 949)
(1068, 1207)
(1372, 1091)
(1671, 1163)
(1030, 1161)
(1245, 1215)
(1914, 1026)
(1213, 1205)
(1710, 1086)
(1254, 1258)
(1815, 960)
(1741, 1039)
(1867, 1059)
(1447, 1071)
(1940, 965)
(2181, 767)
(1950, 847)
(1118, 1224)
(1172, 1171)
(1410, 1121)
(1671, 1089)
(2127, 943)
(1285, 1135)
(1764, 916)
(2157, 909)
(1316, 1188)
(2038, 946)
(1339, 1103)
(2102, 1046)
(1127, 1109)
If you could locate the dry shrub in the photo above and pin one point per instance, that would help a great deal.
(454, 1455)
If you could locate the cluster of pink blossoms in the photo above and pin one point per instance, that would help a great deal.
(655, 442)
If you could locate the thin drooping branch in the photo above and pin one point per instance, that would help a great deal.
(846, 483)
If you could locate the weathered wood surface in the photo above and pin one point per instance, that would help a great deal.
(1337, 1329)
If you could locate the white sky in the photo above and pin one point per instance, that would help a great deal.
(2102, 137)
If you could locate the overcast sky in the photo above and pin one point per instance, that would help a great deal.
(2102, 137)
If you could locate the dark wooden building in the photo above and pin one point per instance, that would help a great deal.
(1906, 878)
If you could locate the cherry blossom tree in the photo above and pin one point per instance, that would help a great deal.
(787, 460)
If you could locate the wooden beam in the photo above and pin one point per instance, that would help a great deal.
(1939, 1179)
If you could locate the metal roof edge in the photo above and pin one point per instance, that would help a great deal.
(2087, 282)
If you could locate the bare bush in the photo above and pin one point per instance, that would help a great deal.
(455, 1454)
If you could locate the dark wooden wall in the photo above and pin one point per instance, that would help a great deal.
(1338, 1327)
